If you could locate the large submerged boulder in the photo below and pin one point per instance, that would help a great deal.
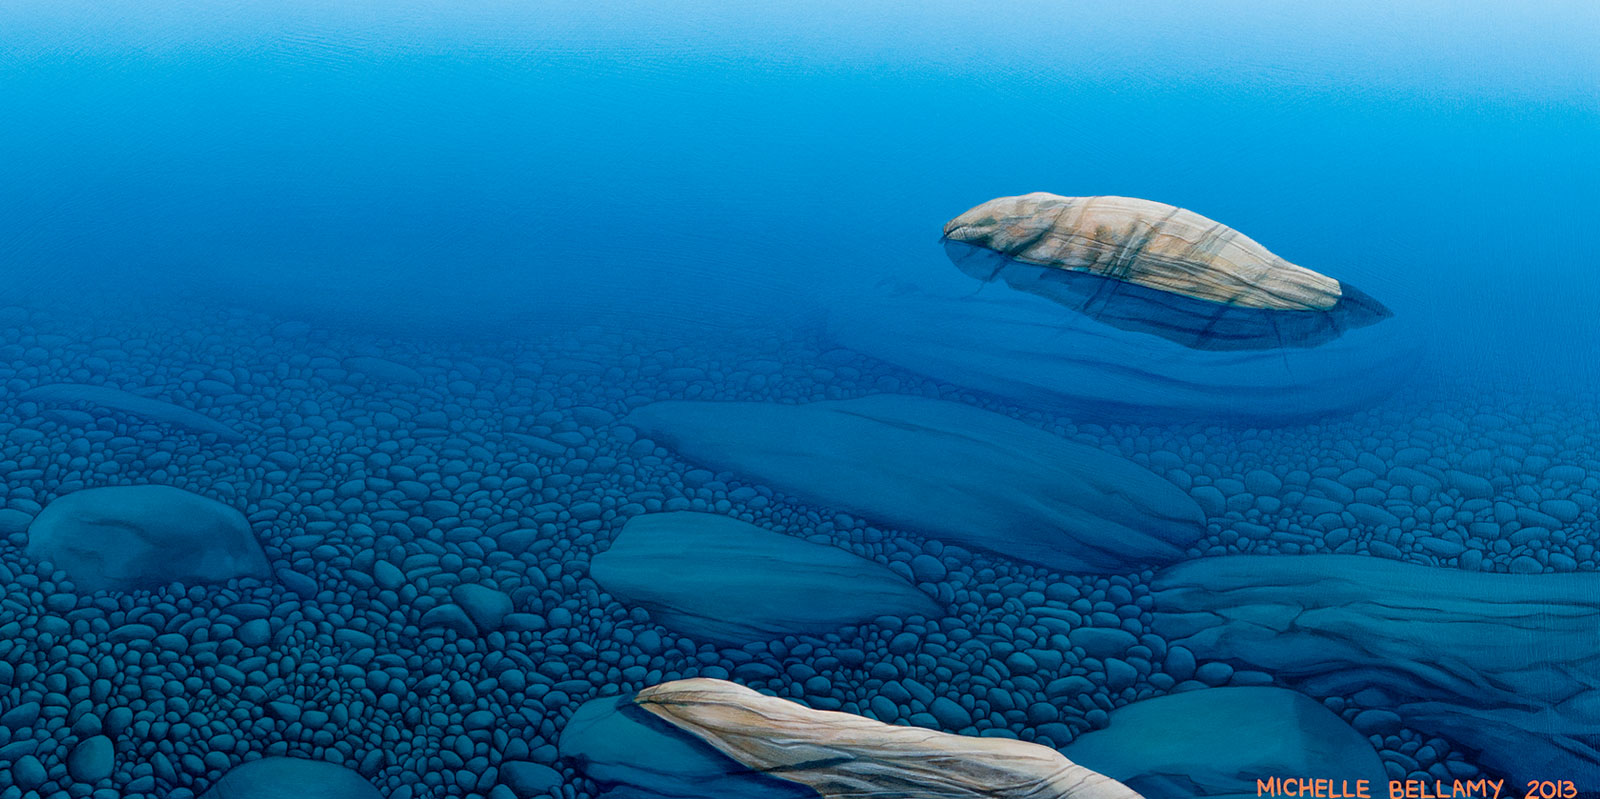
(1021, 346)
(727, 581)
(1152, 267)
(130, 537)
(947, 470)
(1507, 664)
(291, 778)
(712, 739)
(1216, 743)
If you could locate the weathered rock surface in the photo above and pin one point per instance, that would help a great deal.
(723, 580)
(1218, 742)
(1022, 346)
(944, 469)
(291, 778)
(132, 404)
(1504, 663)
(1143, 242)
(1155, 268)
(843, 756)
(129, 537)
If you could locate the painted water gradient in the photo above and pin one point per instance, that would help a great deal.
(411, 307)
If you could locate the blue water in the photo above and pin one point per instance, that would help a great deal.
(543, 216)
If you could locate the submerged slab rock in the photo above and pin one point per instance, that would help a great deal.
(635, 755)
(1506, 664)
(129, 537)
(291, 778)
(1152, 267)
(723, 580)
(1218, 742)
(947, 470)
(1021, 346)
(132, 404)
(752, 737)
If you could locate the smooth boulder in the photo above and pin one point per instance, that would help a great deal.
(810, 753)
(1155, 268)
(1021, 346)
(1506, 664)
(1217, 742)
(291, 778)
(946, 470)
(726, 581)
(130, 537)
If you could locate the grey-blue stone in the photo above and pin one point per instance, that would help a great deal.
(486, 606)
(13, 521)
(727, 581)
(950, 715)
(132, 404)
(636, 755)
(1021, 663)
(945, 469)
(297, 583)
(1017, 345)
(1102, 642)
(450, 617)
(256, 632)
(387, 575)
(92, 759)
(1216, 742)
(28, 772)
(928, 568)
(21, 717)
(528, 780)
(1120, 674)
(1500, 663)
(291, 778)
(1375, 721)
(129, 537)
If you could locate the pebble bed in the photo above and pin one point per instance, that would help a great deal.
(383, 476)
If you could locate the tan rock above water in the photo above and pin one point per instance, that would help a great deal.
(844, 756)
(1145, 243)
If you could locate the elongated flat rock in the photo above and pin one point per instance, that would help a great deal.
(1506, 664)
(1021, 346)
(839, 755)
(117, 400)
(947, 470)
(1148, 266)
(1144, 242)
(1216, 743)
(730, 582)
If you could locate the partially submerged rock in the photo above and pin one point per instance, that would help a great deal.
(829, 754)
(1216, 743)
(947, 470)
(1503, 663)
(129, 537)
(1153, 267)
(291, 778)
(727, 581)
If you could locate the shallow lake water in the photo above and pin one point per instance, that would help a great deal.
(391, 393)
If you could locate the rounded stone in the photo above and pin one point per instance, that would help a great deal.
(128, 537)
(291, 778)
